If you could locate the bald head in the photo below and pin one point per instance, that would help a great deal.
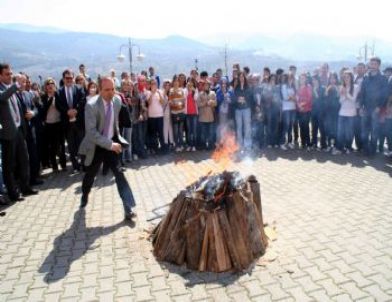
(106, 88)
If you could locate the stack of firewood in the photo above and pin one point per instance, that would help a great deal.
(215, 225)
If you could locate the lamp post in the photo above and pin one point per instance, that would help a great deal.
(130, 46)
(365, 49)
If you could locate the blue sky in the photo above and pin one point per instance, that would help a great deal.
(195, 19)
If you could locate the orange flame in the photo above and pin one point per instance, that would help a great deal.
(223, 157)
(225, 152)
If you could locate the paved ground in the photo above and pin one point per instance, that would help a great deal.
(332, 217)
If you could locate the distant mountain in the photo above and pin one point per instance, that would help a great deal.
(302, 46)
(47, 51)
(31, 28)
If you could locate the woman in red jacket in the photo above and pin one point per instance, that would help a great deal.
(304, 108)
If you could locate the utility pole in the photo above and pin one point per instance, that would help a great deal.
(196, 61)
(226, 59)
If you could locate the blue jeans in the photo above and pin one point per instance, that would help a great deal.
(345, 132)
(207, 134)
(258, 130)
(178, 128)
(139, 138)
(288, 119)
(244, 128)
(272, 116)
(370, 128)
(191, 125)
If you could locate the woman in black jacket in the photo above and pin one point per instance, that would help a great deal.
(53, 128)
(243, 100)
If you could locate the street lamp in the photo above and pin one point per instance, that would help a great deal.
(121, 57)
(363, 51)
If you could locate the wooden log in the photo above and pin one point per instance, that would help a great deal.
(175, 250)
(254, 231)
(167, 225)
(239, 229)
(222, 253)
(254, 186)
(204, 249)
(228, 238)
(195, 227)
(212, 260)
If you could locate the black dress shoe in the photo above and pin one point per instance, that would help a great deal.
(29, 191)
(130, 215)
(83, 201)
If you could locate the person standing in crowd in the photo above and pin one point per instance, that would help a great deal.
(243, 99)
(32, 120)
(388, 121)
(82, 72)
(372, 97)
(206, 101)
(140, 115)
(317, 116)
(324, 75)
(53, 128)
(103, 143)
(155, 104)
(114, 78)
(360, 75)
(191, 111)
(72, 101)
(348, 110)
(182, 80)
(167, 122)
(153, 76)
(271, 98)
(332, 107)
(258, 115)
(15, 158)
(304, 108)
(177, 107)
(92, 90)
(126, 129)
(289, 101)
(224, 98)
(81, 82)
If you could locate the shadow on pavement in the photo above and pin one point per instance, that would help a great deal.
(73, 244)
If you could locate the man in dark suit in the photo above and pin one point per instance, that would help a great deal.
(72, 101)
(103, 143)
(32, 120)
(15, 158)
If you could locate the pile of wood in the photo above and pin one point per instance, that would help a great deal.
(215, 225)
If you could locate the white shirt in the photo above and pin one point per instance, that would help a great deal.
(111, 130)
(348, 103)
(155, 108)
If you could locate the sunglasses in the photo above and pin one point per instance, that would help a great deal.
(68, 78)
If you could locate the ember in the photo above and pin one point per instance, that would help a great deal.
(216, 225)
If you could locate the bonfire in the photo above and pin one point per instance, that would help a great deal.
(216, 223)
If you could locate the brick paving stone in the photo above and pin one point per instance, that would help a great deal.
(377, 293)
(325, 250)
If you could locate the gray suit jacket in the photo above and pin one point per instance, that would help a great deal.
(94, 123)
(8, 129)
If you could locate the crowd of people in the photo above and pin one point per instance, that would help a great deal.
(338, 112)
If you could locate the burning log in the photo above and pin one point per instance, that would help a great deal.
(215, 225)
